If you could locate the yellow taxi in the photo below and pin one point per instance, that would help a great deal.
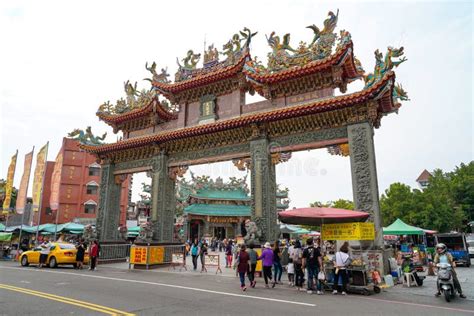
(60, 253)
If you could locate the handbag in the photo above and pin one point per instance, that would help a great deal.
(321, 276)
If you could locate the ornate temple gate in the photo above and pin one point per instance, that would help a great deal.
(202, 117)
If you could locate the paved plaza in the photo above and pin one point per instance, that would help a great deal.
(164, 292)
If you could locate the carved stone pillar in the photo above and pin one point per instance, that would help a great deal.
(206, 229)
(108, 217)
(264, 212)
(364, 175)
(163, 200)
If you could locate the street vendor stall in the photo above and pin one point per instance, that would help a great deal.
(5, 245)
(413, 245)
(340, 224)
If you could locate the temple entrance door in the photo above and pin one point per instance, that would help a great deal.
(219, 232)
(230, 232)
(194, 230)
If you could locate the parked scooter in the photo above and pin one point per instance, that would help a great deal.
(445, 281)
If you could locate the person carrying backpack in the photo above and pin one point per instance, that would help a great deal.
(312, 261)
(195, 253)
(253, 255)
(297, 257)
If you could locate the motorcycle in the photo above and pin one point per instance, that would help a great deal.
(445, 281)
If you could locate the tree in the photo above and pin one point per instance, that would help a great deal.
(446, 204)
(319, 204)
(462, 189)
(397, 202)
(343, 204)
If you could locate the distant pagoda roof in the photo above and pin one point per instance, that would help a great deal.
(204, 189)
(231, 194)
(218, 210)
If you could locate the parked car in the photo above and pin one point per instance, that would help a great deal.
(60, 253)
(457, 246)
(470, 244)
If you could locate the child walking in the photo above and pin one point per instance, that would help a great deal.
(291, 272)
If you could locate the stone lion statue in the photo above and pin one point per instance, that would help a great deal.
(123, 232)
(146, 232)
(89, 233)
(253, 232)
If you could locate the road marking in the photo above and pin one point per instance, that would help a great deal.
(66, 300)
(417, 304)
(171, 286)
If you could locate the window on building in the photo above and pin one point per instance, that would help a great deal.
(94, 171)
(92, 189)
(90, 208)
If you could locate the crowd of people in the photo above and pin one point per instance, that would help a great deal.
(303, 263)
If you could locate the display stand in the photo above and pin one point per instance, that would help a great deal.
(212, 261)
(178, 260)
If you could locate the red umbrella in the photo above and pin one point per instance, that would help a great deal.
(320, 215)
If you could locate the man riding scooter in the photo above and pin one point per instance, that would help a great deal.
(443, 256)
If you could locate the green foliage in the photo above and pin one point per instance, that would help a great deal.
(446, 204)
(344, 204)
(341, 203)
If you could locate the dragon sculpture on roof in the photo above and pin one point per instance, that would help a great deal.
(134, 99)
(384, 65)
(232, 50)
(87, 137)
(284, 56)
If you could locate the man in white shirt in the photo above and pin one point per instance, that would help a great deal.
(44, 253)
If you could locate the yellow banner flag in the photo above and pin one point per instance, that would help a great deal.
(25, 179)
(56, 182)
(38, 178)
(9, 184)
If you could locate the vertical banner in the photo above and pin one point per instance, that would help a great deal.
(9, 184)
(25, 179)
(56, 182)
(38, 179)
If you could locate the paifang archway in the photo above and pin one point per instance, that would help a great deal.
(202, 117)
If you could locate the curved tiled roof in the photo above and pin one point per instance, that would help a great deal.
(309, 108)
(137, 113)
(339, 57)
(204, 79)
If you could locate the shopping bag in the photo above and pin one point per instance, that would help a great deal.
(321, 276)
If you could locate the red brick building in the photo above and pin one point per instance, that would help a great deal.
(79, 188)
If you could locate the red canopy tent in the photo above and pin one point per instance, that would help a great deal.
(321, 215)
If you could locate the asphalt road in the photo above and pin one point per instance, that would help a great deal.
(112, 290)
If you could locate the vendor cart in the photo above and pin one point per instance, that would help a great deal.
(358, 278)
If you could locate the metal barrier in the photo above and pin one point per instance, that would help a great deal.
(114, 252)
(153, 255)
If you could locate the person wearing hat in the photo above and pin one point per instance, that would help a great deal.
(443, 256)
(267, 262)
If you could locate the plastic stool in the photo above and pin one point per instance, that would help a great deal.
(409, 279)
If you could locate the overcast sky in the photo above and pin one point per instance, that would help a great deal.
(60, 60)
